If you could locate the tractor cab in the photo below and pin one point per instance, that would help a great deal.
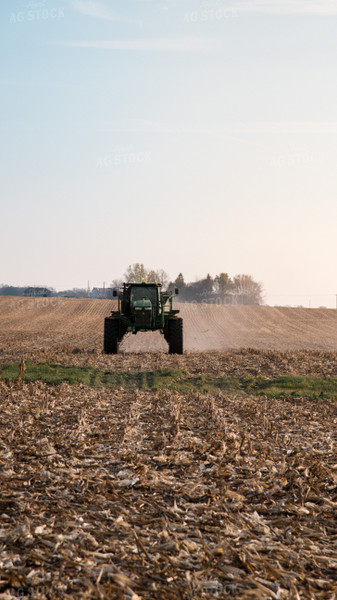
(139, 294)
(143, 303)
(140, 302)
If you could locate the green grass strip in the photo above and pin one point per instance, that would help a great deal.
(175, 380)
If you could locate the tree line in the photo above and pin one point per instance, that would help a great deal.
(221, 289)
(12, 290)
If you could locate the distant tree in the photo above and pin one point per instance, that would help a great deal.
(246, 290)
(180, 282)
(12, 290)
(223, 284)
(209, 284)
(116, 283)
(177, 283)
(74, 293)
(160, 276)
(137, 273)
(241, 290)
(198, 291)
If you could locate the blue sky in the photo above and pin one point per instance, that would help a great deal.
(191, 136)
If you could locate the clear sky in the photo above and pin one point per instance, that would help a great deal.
(197, 137)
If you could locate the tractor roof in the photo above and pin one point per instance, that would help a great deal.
(144, 284)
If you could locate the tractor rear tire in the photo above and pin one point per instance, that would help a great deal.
(175, 336)
(111, 335)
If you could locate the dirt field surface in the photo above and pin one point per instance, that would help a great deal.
(147, 494)
(165, 496)
(32, 323)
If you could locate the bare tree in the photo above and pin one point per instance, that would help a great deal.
(137, 273)
(158, 275)
(116, 283)
(246, 290)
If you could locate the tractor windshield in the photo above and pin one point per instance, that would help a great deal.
(148, 293)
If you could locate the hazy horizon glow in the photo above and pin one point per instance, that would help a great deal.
(193, 137)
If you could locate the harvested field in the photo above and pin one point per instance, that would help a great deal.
(127, 491)
(115, 494)
(79, 323)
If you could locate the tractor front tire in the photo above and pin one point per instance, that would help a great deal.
(175, 336)
(111, 335)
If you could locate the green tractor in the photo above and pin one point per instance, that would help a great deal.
(143, 307)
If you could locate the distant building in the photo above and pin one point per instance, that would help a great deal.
(37, 291)
(101, 293)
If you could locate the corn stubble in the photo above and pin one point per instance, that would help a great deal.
(166, 495)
